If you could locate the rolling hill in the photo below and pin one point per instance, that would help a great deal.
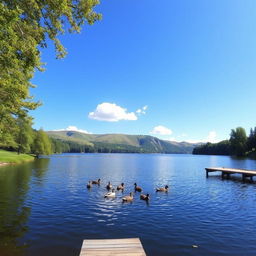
(121, 143)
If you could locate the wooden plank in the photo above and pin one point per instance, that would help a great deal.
(231, 170)
(114, 241)
(113, 246)
(227, 171)
(99, 247)
(113, 251)
(107, 253)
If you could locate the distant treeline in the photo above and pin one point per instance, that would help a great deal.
(238, 144)
(60, 146)
(29, 141)
(63, 146)
(221, 148)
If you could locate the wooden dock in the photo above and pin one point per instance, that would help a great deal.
(226, 172)
(115, 247)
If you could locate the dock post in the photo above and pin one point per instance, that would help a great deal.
(226, 172)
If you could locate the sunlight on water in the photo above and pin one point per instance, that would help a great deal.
(46, 209)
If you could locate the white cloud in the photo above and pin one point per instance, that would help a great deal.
(73, 129)
(172, 139)
(195, 141)
(212, 137)
(111, 112)
(142, 110)
(161, 130)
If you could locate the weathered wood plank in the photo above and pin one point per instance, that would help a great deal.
(112, 246)
(116, 241)
(112, 241)
(227, 171)
(108, 253)
(126, 246)
(115, 251)
(230, 170)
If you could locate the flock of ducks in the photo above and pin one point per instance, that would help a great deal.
(128, 198)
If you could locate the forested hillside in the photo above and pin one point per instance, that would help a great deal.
(69, 141)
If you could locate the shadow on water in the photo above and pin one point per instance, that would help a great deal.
(14, 213)
(40, 166)
(46, 205)
(237, 179)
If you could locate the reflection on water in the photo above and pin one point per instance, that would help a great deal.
(46, 209)
(14, 213)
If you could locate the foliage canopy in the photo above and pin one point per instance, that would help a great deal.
(25, 27)
(238, 141)
(238, 144)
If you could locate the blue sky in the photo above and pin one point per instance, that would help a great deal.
(190, 64)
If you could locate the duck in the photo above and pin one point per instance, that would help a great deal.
(120, 187)
(110, 194)
(89, 185)
(96, 182)
(165, 189)
(128, 198)
(109, 186)
(136, 188)
(144, 197)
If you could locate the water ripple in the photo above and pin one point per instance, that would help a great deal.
(46, 205)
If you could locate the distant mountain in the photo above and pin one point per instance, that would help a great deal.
(120, 143)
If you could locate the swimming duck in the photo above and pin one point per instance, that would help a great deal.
(110, 194)
(128, 198)
(89, 185)
(96, 182)
(109, 186)
(136, 188)
(144, 197)
(120, 187)
(165, 189)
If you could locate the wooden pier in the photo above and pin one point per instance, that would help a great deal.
(226, 172)
(115, 247)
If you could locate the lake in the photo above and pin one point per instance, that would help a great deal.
(46, 209)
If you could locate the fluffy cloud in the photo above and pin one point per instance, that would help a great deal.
(142, 110)
(73, 129)
(161, 130)
(212, 137)
(111, 112)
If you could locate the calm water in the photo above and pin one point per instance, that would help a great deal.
(46, 209)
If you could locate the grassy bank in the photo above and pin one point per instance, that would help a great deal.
(13, 157)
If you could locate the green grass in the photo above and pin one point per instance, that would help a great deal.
(13, 157)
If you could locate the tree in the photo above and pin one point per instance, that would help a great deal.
(252, 140)
(238, 141)
(25, 27)
(220, 148)
(8, 129)
(42, 144)
(24, 136)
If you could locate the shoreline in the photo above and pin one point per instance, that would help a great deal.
(4, 163)
(14, 163)
(11, 158)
